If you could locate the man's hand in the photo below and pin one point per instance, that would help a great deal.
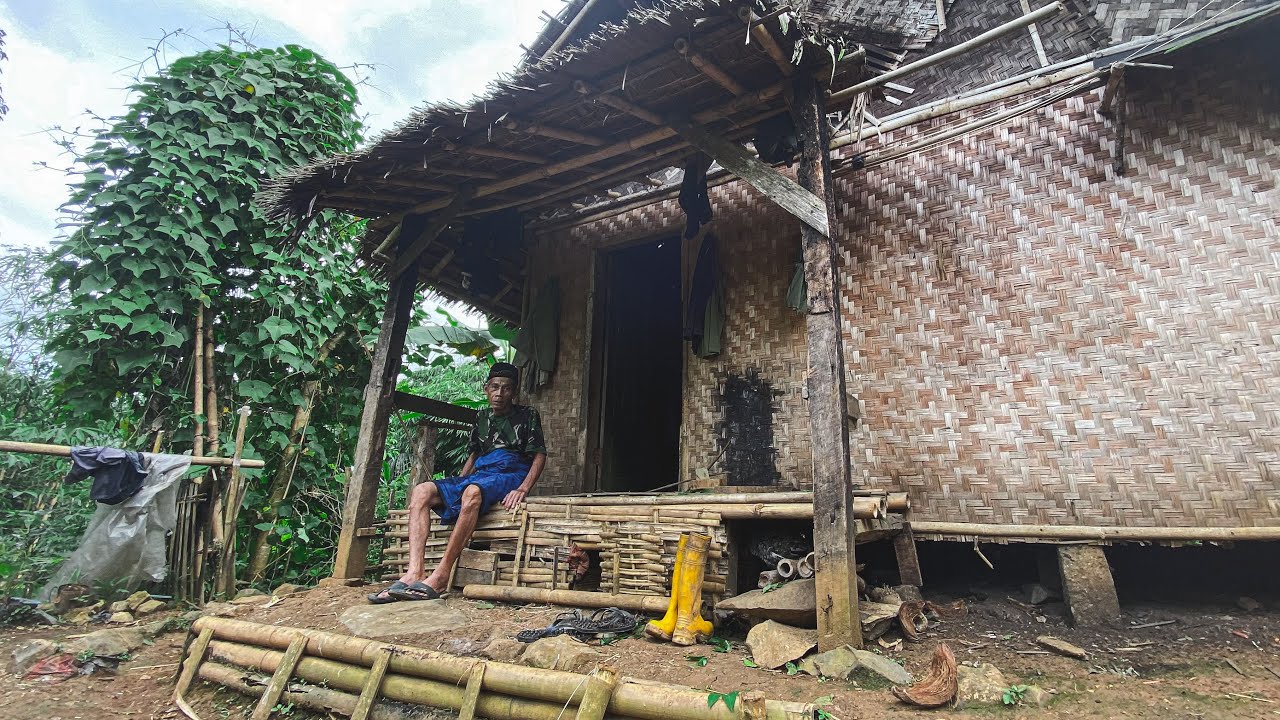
(514, 498)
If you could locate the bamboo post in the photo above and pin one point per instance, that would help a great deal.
(311, 697)
(211, 392)
(279, 679)
(197, 446)
(471, 697)
(225, 583)
(524, 530)
(65, 451)
(372, 686)
(595, 700)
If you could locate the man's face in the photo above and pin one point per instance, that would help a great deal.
(501, 393)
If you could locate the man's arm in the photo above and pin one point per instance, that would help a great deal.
(517, 496)
(470, 466)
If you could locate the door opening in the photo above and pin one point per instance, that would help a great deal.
(640, 366)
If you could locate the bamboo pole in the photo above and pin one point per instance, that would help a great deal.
(643, 700)
(197, 447)
(1084, 532)
(851, 92)
(211, 392)
(65, 451)
(225, 583)
(568, 598)
(311, 697)
(595, 700)
(568, 31)
(708, 68)
(765, 38)
(899, 502)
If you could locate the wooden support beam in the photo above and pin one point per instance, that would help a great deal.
(849, 93)
(434, 408)
(617, 103)
(408, 183)
(904, 547)
(708, 68)
(475, 681)
(463, 171)
(792, 197)
(761, 33)
(65, 451)
(279, 678)
(493, 152)
(551, 131)
(1114, 80)
(834, 525)
(408, 257)
(362, 489)
(373, 685)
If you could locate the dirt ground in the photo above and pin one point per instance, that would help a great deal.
(1177, 671)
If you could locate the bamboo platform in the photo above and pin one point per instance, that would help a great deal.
(635, 536)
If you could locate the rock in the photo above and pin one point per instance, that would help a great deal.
(883, 667)
(221, 609)
(844, 662)
(795, 604)
(773, 644)
(463, 647)
(837, 664)
(877, 618)
(560, 653)
(109, 643)
(29, 653)
(159, 627)
(504, 650)
(885, 595)
(908, 593)
(1038, 594)
(150, 606)
(258, 599)
(1062, 647)
(1248, 604)
(121, 618)
(119, 606)
(289, 589)
(189, 617)
(1087, 585)
(80, 616)
(247, 593)
(981, 685)
(1037, 696)
(419, 617)
(133, 601)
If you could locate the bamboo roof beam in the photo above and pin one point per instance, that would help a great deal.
(494, 152)
(708, 68)
(463, 171)
(406, 183)
(617, 103)
(991, 35)
(564, 37)
(760, 32)
(409, 256)
(550, 131)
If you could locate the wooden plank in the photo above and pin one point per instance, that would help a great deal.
(191, 665)
(475, 680)
(373, 685)
(280, 678)
(904, 547)
(371, 444)
(834, 525)
(434, 408)
(791, 196)
(408, 256)
(1035, 36)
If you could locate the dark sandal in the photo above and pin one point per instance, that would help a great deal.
(416, 591)
(387, 594)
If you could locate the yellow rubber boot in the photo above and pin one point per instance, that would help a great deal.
(662, 629)
(690, 627)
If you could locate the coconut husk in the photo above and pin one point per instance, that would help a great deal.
(938, 687)
(912, 619)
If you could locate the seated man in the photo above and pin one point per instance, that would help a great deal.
(507, 456)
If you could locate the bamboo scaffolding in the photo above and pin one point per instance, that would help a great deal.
(342, 662)
(311, 697)
(65, 451)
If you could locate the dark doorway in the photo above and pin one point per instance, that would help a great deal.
(639, 367)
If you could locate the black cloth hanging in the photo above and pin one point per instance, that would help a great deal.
(693, 194)
(117, 474)
(704, 314)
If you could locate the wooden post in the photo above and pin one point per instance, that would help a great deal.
(279, 679)
(362, 490)
(904, 547)
(372, 686)
(834, 525)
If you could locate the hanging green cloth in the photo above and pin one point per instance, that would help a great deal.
(798, 291)
(538, 341)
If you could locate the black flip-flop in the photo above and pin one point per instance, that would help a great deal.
(387, 594)
(416, 591)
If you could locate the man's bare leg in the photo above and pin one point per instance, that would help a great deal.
(421, 499)
(458, 539)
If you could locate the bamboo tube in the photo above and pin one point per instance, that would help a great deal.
(65, 451)
(646, 701)
(849, 93)
(211, 413)
(595, 700)
(805, 568)
(786, 568)
(1084, 532)
(899, 502)
(311, 697)
(569, 598)
(197, 447)
(768, 577)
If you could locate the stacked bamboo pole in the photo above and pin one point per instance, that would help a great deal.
(344, 664)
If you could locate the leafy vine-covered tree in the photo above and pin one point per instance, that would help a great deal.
(166, 239)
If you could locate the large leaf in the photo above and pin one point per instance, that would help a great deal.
(460, 339)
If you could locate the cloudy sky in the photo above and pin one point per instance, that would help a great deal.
(69, 56)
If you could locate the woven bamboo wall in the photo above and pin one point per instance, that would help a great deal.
(1034, 339)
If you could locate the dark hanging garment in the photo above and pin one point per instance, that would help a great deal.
(539, 338)
(704, 314)
(117, 474)
(693, 194)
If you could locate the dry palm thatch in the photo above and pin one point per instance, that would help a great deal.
(937, 688)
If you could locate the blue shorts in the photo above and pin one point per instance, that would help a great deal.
(496, 474)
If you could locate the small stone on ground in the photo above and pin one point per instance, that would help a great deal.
(560, 653)
(121, 618)
(982, 685)
(773, 644)
(108, 643)
(1062, 647)
(843, 662)
(29, 653)
(133, 601)
(150, 606)
(504, 650)
(418, 617)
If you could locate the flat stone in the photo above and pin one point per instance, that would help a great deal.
(289, 589)
(1062, 647)
(981, 685)
(247, 593)
(773, 644)
(121, 618)
(80, 616)
(1038, 594)
(29, 653)
(221, 609)
(560, 653)
(258, 599)
(837, 664)
(888, 596)
(109, 642)
(794, 604)
(1248, 604)
(504, 650)
(150, 606)
(418, 617)
(133, 601)
(883, 666)
(463, 647)
(908, 593)
(1037, 696)
(119, 606)
(1087, 585)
